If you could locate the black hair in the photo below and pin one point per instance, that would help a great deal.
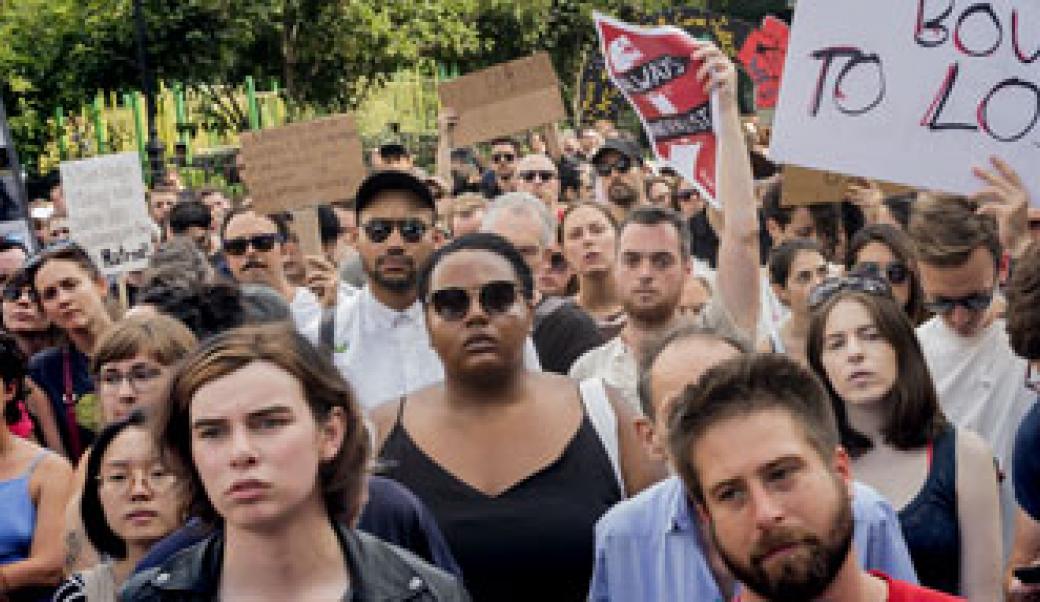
(772, 209)
(7, 243)
(506, 140)
(99, 532)
(188, 214)
(207, 309)
(12, 371)
(646, 215)
(479, 241)
(328, 224)
(781, 258)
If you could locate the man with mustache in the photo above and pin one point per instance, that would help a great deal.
(254, 245)
(756, 445)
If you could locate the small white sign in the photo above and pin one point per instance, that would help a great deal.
(107, 211)
(913, 91)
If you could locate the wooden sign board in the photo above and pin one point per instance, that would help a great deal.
(803, 186)
(504, 99)
(303, 164)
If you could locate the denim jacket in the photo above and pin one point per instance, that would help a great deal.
(379, 572)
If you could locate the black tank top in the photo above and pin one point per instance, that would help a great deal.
(929, 521)
(534, 541)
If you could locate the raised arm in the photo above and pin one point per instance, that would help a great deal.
(738, 272)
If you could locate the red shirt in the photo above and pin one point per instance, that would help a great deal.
(901, 591)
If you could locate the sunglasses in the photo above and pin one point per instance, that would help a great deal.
(622, 166)
(685, 195)
(260, 242)
(453, 304)
(541, 176)
(557, 263)
(896, 272)
(974, 303)
(378, 230)
(503, 157)
(14, 291)
(859, 283)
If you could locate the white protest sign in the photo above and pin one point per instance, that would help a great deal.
(107, 212)
(913, 91)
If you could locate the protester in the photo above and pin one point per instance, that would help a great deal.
(467, 213)
(537, 175)
(500, 178)
(941, 478)
(795, 268)
(58, 229)
(659, 527)
(131, 499)
(256, 252)
(618, 164)
(960, 246)
(12, 257)
(562, 331)
(704, 241)
(33, 492)
(510, 461)
(274, 446)
(778, 511)
(887, 252)
(192, 220)
(696, 293)
(23, 318)
(555, 277)
(72, 292)
(659, 193)
(161, 200)
(782, 222)
(589, 238)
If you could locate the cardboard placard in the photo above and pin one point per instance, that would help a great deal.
(913, 92)
(303, 164)
(804, 186)
(308, 232)
(107, 211)
(504, 99)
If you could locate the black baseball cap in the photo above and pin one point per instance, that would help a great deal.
(625, 147)
(392, 179)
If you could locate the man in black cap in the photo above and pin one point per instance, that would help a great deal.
(619, 166)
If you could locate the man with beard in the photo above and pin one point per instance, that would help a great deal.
(378, 334)
(756, 445)
(619, 166)
(254, 245)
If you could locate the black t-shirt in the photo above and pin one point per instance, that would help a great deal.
(1026, 463)
(47, 370)
(562, 333)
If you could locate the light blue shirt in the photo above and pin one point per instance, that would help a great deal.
(649, 547)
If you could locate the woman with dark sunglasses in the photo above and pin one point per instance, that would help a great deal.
(71, 291)
(516, 466)
(941, 479)
(887, 252)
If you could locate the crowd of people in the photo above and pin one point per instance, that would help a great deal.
(567, 376)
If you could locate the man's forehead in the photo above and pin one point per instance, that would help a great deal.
(975, 275)
(536, 162)
(248, 222)
(724, 451)
(648, 237)
(13, 256)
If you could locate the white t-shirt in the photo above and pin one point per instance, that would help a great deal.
(305, 309)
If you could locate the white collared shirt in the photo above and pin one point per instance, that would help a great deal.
(384, 353)
(305, 309)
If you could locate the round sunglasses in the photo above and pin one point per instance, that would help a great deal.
(453, 303)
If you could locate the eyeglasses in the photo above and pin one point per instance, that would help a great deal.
(141, 378)
(944, 305)
(378, 230)
(557, 263)
(119, 482)
(260, 242)
(1032, 378)
(896, 272)
(452, 304)
(622, 166)
(540, 175)
(503, 157)
(859, 283)
(13, 291)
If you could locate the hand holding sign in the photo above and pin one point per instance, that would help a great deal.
(1006, 199)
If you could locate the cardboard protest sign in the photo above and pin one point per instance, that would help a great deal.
(303, 164)
(504, 99)
(763, 56)
(308, 233)
(653, 68)
(803, 186)
(107, 211)
(599, 98)
(913, 92)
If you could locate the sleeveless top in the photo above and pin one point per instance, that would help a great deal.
(929, 521)
(18, 518)
(533, 541)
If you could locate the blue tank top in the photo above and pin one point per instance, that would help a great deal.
(18, 518)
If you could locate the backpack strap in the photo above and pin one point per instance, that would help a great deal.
(604, 421)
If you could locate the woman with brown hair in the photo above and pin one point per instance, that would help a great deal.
(941, 479)
(275, 451)
(887, 252)
(588, 235)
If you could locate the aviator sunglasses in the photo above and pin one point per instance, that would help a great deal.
(453, 304)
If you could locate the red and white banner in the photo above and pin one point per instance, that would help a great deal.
(653, 68)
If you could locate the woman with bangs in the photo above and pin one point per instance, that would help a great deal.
(941, 480)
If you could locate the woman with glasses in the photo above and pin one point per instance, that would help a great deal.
(131, 499)
(274, 451)
(887, 252)
(556, 277)
(23, 318)
(516, 466)
(132, 366)
(33, 493)
(589, 238)
(71, 291)
(941, 479)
